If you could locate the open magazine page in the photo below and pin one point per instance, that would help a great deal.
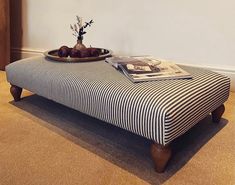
(116, 61)
(167, 70)
(139, 69)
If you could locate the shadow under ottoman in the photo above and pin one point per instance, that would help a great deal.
(158, 110)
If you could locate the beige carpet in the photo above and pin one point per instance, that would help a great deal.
(44, 143)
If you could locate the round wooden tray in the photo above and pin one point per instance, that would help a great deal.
(53, 55)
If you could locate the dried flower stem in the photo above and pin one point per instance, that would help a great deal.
(78, 28)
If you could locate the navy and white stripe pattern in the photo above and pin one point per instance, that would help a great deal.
(158, 110)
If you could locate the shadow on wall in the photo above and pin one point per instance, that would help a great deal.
(120, 147)
(16, 30)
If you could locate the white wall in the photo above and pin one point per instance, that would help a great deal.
(198, 32)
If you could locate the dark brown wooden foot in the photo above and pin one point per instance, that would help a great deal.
(16, 92)
(160, 155)
(217, 114)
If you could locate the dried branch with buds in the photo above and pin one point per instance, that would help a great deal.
(78, 28)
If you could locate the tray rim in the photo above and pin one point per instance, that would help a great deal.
(69, 59)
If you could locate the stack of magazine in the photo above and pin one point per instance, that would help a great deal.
(140, 69)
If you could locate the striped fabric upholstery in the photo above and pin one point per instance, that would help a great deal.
(158, 110)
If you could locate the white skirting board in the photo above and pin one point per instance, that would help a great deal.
(17, 53)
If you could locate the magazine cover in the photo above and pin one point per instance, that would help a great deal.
(139, 69)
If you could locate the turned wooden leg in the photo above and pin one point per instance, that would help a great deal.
(217, 113)
(16, 92)
(160, 155)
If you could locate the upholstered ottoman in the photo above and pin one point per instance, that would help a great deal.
(158, 110)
